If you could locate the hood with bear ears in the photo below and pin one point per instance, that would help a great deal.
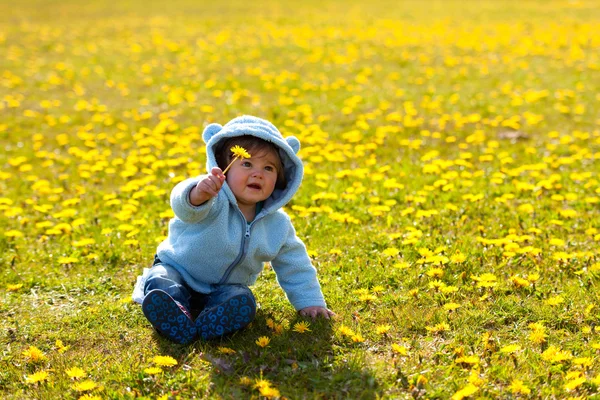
(253, 126)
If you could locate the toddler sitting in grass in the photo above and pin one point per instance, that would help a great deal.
(225, 227)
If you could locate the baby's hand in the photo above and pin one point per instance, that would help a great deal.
(208, 187)
(315, 311)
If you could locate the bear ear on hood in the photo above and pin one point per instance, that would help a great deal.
(210, 131)
(294, 143)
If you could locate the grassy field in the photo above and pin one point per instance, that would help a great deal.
(450, 203)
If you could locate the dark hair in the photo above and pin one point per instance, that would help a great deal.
(256, 147)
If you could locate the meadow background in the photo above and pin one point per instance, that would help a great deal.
(450, 203)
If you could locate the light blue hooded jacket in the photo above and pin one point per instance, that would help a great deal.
(213, 244)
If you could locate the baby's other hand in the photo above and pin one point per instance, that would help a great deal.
(315, 311)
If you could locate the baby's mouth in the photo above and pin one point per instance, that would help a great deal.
(254, 186)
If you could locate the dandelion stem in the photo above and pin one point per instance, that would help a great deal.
(230, 164)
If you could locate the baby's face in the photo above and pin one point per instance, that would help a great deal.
(253, 179)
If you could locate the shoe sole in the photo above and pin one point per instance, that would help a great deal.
(167, 318)
(233, 315)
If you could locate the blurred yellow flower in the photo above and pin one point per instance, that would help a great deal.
(301, 327)
(263, 341)
(164, 361)
(75, 373)
(34, 354)
(153, 370)
(39, 376)
(85, 386)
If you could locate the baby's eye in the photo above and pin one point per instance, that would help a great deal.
(269, 168)
(246, 164)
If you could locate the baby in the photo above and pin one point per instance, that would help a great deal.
(225, 228)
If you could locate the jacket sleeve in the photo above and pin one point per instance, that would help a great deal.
(296, 275)
(180, 202)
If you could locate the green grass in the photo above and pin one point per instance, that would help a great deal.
(428, 130)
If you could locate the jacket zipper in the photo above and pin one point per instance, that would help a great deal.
(243, 250)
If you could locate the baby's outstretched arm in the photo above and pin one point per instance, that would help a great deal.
(208, 187)
(315, 311)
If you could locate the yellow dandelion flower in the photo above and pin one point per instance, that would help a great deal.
(555, 300)
(75, 373)
(34, 354)
(344, 330)
(358, 338)
(269, 392)
(261, 383)
(37, 377)
(60, 346)
(511, 348)
(382, 329)
(85, 386)
(575, 383)
(467, 360)
(263, 341)
(153, 370)
(239, 151)
(585, 362)
(465, 392)
(391, 252)
(400, 350)
(14, 287)
(164, 361)
(301, 327)
(270, 323)
(441, 327)
(458, 257)
(13, 233)
(517, 387)
(90, 397)
(451, 306)
(226, 350)
(245, 381)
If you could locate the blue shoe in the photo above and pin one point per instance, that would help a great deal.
(168, 317)
(227, 317)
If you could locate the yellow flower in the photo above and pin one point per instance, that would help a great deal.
(263, 341)
(153, 370)
(85, 386)
(34, 354)
(344, 330)
(269, 392)
(14, 287)
(301, 327)
(245, 381)
(239, 151)
(575, 383)
(511, 348)
(226, 350)
(358, 338)
(75, 373)
(458, 258)
(382, 329)
(468, 360)
(37, 377)
(465, 392)
(90, 397)
(451, 306)
(60, 346)
(555, 300)
(517, 387)
(398, 349)
(13, 233)
(164, 361)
